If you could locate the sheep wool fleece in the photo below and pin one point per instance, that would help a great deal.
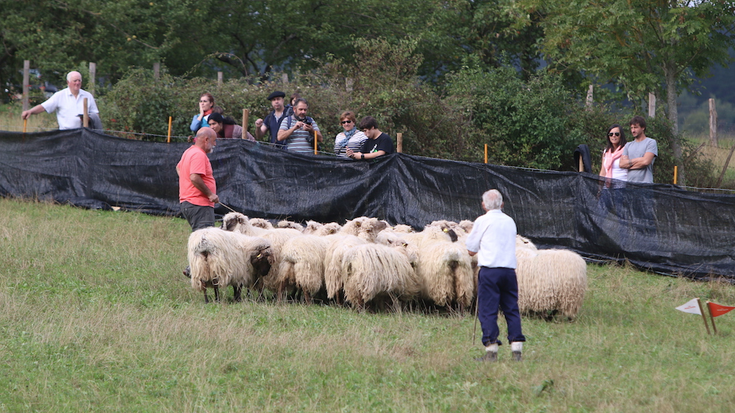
(493, 237)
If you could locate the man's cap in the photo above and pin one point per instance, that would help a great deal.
(276, 94)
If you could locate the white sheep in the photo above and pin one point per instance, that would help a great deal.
(220, 258)
(444, 267)
(302, 265)
(374, 271)
(237, 222)
(317, 228)
(355, 232)
(261, 223)
(549, 281)
(290, 224)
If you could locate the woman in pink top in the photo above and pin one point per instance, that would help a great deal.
(611, 155)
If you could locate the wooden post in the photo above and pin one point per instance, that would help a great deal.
(245, 115)
(25, 125)
(92, 76)
(399, 143)
(699, 303)
(219, 78)
(157, 70)
(590, 96)
(675, 173)
(485, 153)
(581, 164)
(651, 105)
(169, 129)
(26, 82)
(709, 310)
(712, 123)
(316, 142)
(85, 118)
(284, 78)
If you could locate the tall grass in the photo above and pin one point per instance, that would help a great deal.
(96, 316)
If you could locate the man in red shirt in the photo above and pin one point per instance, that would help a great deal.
(197, 189)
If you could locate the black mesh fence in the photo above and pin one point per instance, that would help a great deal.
(661, 228)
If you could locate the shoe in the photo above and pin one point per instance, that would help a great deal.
(491, 356)
(516, 347)
(187, 272)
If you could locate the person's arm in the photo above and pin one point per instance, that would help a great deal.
(260, 128)
(472, 253)
(199, 184)
(34, 111)
(603, 172)
(196, 123)
(283, 134)
(369, 155)
(637, 163)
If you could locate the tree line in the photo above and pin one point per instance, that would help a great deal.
(632, 47)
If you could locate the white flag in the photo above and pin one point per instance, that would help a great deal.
(691, 307)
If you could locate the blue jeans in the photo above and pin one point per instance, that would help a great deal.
(498, 288)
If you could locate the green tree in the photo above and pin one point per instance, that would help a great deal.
(641, 45)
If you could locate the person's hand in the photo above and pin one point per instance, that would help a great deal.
(308, 127)
(201, 109)
(214, 198)
(299, 125)
(26, 114)
(349, 153)
(258, 122)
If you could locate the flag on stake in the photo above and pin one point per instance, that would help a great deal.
(691, 306)
(717, 310)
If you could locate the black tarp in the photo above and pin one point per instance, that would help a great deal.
(662, 228)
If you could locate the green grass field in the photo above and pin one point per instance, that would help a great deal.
(96, 316)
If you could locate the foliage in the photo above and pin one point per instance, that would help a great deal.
(526, 124)
(96, 316)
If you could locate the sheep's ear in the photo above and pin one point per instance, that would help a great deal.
(381, 225)
(358, 223)
(452, 234)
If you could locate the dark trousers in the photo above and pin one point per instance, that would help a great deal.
(498, 288)
(198, 216)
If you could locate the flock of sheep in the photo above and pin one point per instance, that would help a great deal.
(366, 262)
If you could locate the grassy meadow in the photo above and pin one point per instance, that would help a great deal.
(95, 315)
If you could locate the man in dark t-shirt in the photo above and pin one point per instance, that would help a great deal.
(377, 144)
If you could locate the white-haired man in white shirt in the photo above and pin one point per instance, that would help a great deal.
(493, 239)
(67, 103)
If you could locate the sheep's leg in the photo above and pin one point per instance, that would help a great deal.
(238, 292)
(206, 299)
(216, 293)
(281, 293)
(307, 297)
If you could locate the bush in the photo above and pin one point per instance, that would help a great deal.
(529, 124)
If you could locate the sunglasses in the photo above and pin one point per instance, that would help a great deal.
(346, 121)
(613, 134)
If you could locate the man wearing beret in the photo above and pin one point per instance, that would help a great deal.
(273, 121)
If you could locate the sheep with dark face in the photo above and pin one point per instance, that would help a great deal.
(220, 258)
(237, 222)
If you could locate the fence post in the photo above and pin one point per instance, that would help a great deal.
(284, 78)
(245, 116)
(219, 78)
(712, 123)
(651, 105)
(85, 118)
(157, 70)
(92, 76)
(26, 82)
(399, 143)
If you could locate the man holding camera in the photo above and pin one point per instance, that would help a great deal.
(298, 131)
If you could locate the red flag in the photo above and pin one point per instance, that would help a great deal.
(717, 309)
